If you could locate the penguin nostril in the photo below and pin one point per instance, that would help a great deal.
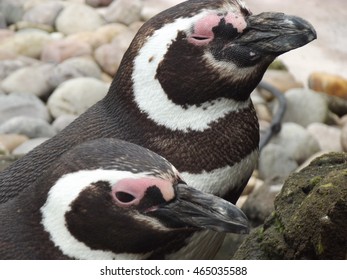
(199, 38)
(124, 197)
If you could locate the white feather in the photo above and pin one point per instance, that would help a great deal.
(218, 181)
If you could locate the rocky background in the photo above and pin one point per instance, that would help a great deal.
(57, 58)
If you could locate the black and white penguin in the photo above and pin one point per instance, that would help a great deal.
(110, 199)
(183, 91)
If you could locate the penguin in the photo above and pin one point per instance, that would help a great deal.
(110, 199)
(183, 91)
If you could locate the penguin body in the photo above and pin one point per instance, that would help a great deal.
(110, 199)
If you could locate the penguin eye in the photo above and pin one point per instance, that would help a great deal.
(124, 197)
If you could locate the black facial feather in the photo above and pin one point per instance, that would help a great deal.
(225, 31)
(152, 197)
(225, 46)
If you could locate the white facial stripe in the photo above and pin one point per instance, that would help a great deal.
(220, 179)
(226, 67)
(154, 224)
(60, 196)
(150, 96)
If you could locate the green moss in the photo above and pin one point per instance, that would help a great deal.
(279, 227)
(260, 234)
(319, 248)
(315, 180)
(329, 185)
(278, 65)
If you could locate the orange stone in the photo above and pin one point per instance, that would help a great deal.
(331, 84)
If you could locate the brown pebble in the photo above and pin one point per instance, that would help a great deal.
(331, 84)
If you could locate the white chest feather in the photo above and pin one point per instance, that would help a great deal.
(218, 181)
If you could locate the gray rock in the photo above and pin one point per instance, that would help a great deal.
(260, 203)
(73, 68)
(98, 3)
(337, 105)
(296, 142)
(75, 96)
(44, 13)
(124, 11)
(9, 66)
(78, 18)
(3, 23)
(30, 79)
(12, 10)
(28, 42)
(22, 104)
(275, 162)
(328, 137)
(31, 127)
(29, 145)
(63, 121)
(305, 107)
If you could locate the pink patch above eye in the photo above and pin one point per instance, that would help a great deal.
(203, 29)
(237, 21)
(203, 33)
(128, 192)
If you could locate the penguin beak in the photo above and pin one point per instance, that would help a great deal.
(276, 33)
(195, 209)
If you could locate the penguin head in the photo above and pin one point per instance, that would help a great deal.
(202, 50)
(126, 203)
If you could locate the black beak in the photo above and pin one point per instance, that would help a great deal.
(276, 33)
(195, 209)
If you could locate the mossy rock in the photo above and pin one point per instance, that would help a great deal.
(309, 221)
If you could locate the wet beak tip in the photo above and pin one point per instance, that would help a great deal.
(302, 25)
